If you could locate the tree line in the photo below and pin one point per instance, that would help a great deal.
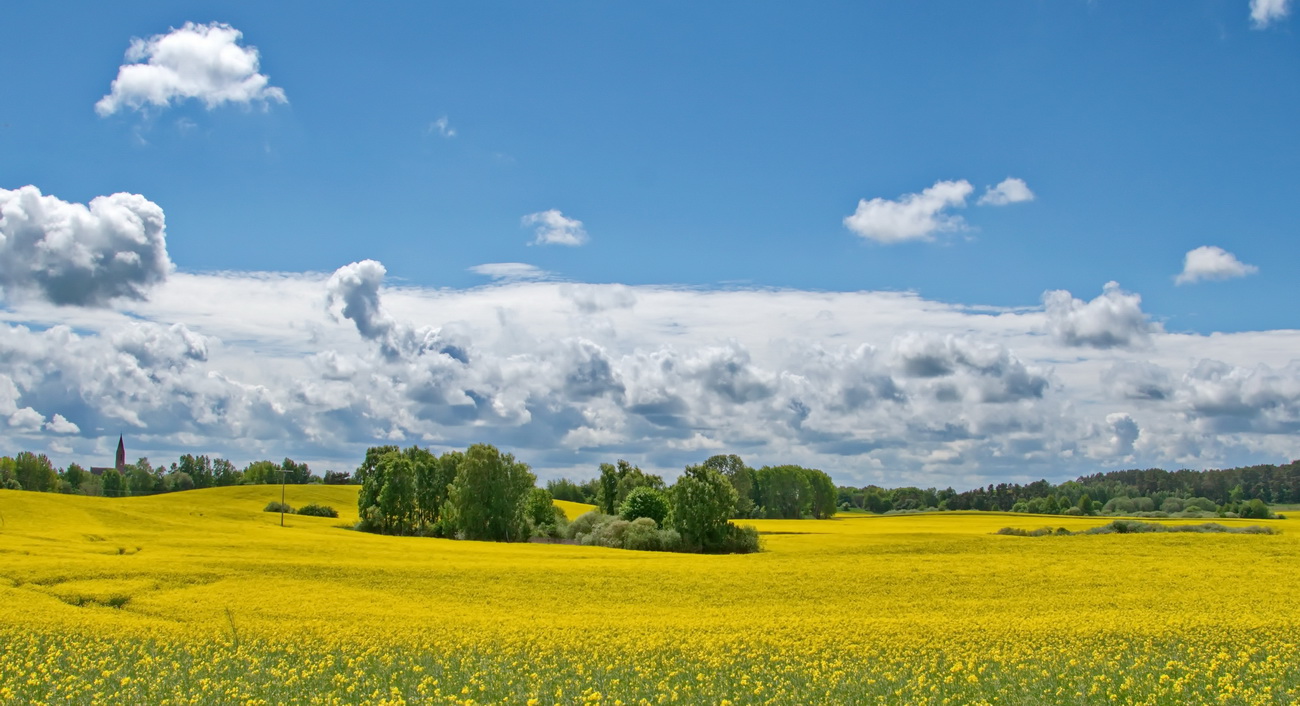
(29, 471)
(1242, 491)
(773, 492)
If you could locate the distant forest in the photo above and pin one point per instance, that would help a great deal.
(1152, 491)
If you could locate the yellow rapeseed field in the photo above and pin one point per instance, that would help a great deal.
(200, 597)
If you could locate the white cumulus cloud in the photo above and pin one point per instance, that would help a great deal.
(1264, 12)
(70, 253)
(1009, 190)
(59, 425)
(553, 228)
(1210, 262)
(1113, 320)
(912, 216)
(200, 61)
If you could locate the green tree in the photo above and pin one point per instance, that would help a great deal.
(370, 479)
(544, 518)
(9, 474)
(631, 477)
(486, 501)
(296, 473)
(74, 475)
(822, 499)
(433, 477)
(607, 497)
(224, 473)
(35, 472)
(741, 478)
(784, 491)
(1086, 505)
(645, 501)
(139, 479)
(702, 502)
(112, 483)
(397, 496)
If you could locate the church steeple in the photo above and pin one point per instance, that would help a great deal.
(121, 454)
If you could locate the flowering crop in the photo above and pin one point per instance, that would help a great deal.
(200, 597)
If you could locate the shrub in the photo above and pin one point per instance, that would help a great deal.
(597, 529)
(740, 540)
(277, 506)
(318, 510)
(647, 502)
(642, 534)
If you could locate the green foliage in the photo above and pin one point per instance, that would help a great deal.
(397, 509)
(1086, 505)
(179, 480)
(741, 478)
(74, 475)
(433, 477)
(702, 500)
(224, 473)
(34, 472)
(822, 499)
(607, 497)
(277, 506)
(645, 501)
(784, 491)
(617, 480)
(199, 469)
(1255, 509)
(643, 534)
(740, 540)
(565, 489)
(544, 518)
(262, 473)
(338, 478)
(486, 500)
(315, 510)
(112, 484)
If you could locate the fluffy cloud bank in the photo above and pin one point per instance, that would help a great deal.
(1210, 262)
(871, 386)
(69, 253)
(199, 61)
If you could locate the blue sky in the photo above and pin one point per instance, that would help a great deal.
(704, 148)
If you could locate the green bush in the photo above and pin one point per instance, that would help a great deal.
(277, 506)
(740, 540)
(644, 501)
(318, 510)
(600, 530)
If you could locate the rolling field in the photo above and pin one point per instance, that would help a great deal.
(200, 597)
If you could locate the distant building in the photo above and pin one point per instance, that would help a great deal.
(120, 467)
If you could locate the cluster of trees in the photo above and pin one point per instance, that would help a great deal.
(777, 492)
(484, 494)
(636, 511)
(29, 471)
(479, 493)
